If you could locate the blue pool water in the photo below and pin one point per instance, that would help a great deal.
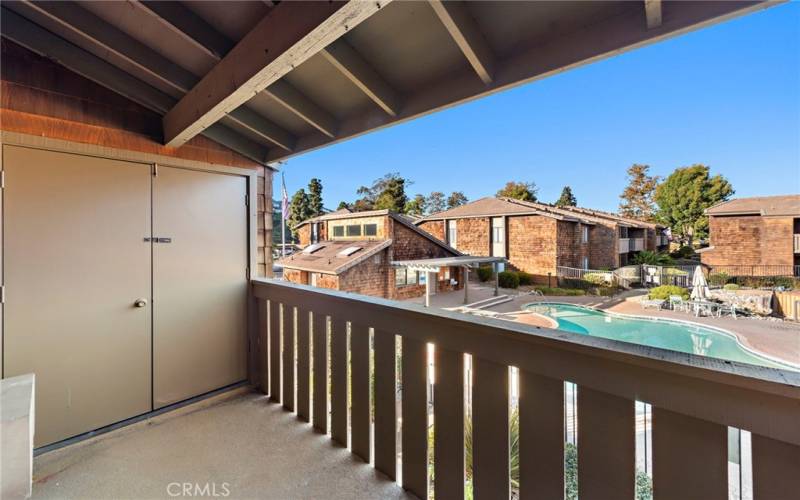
(674, 335)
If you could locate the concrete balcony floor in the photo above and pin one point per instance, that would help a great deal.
(238, 438)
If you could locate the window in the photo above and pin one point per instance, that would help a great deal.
(354, 230)
(452, 233)
(584, 234)
(370, 229)
(315, 232)
(586, 262)
(497, 234)
(403, 277)
(347, 252)
(338, 231)
(313, 248)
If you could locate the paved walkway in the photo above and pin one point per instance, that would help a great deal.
(240, 444)
(780, 339)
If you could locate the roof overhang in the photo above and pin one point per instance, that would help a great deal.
(271, 81)
(436, 264)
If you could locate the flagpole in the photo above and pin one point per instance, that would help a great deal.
(283, 237)
(283, 215)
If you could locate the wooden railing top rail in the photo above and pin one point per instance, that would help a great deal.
(759, 399)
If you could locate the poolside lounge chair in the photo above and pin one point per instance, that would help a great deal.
(653, 304)
(676, 303)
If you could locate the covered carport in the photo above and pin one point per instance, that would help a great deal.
(432, 266)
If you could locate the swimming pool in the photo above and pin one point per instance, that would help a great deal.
(667, 334)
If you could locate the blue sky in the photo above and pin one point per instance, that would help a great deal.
(727, 96)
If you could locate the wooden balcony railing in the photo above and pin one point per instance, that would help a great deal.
(693, 399)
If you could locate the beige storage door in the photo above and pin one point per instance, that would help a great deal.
(75, 264)
(200, 285)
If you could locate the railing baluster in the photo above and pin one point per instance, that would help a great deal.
(288, 357)
(274, 351)
(339, 381)
(490, 430)
(302, 365)
(262, 338)
(690, 458)
(385, 404)
(606, 446)
(448, 408)
(359, 384)
(320, 394)
(541, 437)
(415, 416)
(776, 468)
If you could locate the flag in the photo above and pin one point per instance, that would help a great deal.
(284, 199)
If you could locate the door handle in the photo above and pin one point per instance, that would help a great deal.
(140, 303)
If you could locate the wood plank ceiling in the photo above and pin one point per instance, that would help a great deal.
(271, 80)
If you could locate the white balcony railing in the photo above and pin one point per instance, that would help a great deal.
(797, 243)
(636, 244)
(624, 245)
(694, 399)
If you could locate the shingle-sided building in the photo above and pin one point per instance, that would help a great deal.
(537, 238)
(355, 252)
(758, 231)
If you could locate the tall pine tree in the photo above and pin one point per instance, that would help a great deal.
(637, 197)
(567, 199)
(315, 197)
(300, 210)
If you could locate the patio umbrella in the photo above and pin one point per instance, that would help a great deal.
(699, 285)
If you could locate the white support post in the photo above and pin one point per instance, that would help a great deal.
(496, 278)
(466, 284)
(427, 289)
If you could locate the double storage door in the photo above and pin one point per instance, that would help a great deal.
(124, 291)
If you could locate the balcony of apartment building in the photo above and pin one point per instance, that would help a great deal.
(323, 393)
(796, 236)
(630, 239)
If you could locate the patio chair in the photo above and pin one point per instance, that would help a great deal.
(653, 304)
(676, 303)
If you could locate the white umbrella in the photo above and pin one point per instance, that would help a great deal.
(699, 285)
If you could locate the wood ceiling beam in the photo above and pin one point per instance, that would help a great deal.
(465, 32)
(288, 35)
(35, 38)
(217, 45)
(652, 10)
(539, 60)
(71, 16)
(356, 69)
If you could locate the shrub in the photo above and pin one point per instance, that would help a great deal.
(546, 290)
(574, 283)
(596, 278)
(485, 273)
(718, 279)
(608, 291)
(731, 286)
(674, 271)
(664, 292)
(684, 252)
(525, 279)
(652, 258)
(508, 279)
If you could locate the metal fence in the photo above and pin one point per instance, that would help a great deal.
(624, 276)
(756, 270)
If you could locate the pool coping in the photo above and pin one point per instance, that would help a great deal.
(735, 336)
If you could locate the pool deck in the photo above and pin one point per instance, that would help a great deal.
(778, 339)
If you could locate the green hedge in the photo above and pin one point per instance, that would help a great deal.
(525, 279)
(546, 290)
(485, 273)
(665, 291)
(731, 286)
(508, 279)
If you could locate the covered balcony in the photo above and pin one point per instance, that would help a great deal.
(138, 141)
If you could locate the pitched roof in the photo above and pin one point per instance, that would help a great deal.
(329, 259)
(491, 206)
(788, 204)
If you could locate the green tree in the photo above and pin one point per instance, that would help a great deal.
(683, 197)
(637, 197)
(416, 205)
(567, 199)
(525, 191)
(343, 204)
(300, 210)
(456, 199)
(387, 192)
(435, 202)
(315, 197)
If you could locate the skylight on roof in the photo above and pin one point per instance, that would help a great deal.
(347, 252)
(312, 248)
